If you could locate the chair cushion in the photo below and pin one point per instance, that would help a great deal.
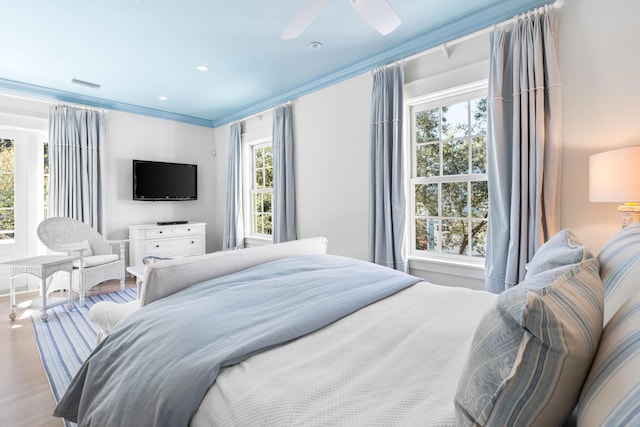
(532, 351)
(94, 260)
(562, 249)
(83, 246)
(611, 396)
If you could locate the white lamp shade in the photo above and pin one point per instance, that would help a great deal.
(614, 176)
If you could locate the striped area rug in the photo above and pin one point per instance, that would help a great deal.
(68, 337)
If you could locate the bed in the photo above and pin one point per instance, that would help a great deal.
(288, 335)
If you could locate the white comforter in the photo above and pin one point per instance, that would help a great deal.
(396, 362)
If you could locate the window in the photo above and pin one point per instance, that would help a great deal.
(45, 166)
(7, 190)
(449, 192)
(261, 189)
(21, 197)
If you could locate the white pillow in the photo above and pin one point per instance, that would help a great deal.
(532, 351)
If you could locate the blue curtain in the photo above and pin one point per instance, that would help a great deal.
(387, 209)
(233, 225)
(76, 137)
(284, 196)
(522, 146)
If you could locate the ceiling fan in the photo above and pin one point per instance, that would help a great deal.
(377, 13)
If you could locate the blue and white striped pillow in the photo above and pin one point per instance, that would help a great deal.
(532, 351)
(611, 394)
(619, 266)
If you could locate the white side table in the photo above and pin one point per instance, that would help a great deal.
(42, 267)
(138, 272)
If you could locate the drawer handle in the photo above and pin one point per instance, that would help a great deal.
(160, 232)
(157, 246)
(188, 229)
(192, 242)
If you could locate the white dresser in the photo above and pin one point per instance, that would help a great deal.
(171, 241)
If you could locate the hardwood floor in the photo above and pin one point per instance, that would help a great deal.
(25, 397)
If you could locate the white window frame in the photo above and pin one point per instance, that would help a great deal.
(450, 96)
(28, 201)
(16, 139)
(252, 237)
(45, 180)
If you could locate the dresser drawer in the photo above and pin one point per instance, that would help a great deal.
(171, 245)
(173, 231)
(167, 241)
(158, 233)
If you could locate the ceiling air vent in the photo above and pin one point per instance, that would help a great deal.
(87, 84)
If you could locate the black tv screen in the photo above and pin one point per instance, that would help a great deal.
(156, 181)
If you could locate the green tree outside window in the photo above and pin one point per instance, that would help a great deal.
(451, 195)
(262, 189)
(7, 190)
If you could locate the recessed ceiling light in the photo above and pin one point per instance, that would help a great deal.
(202, 67)
(162, 98)
(315, 45)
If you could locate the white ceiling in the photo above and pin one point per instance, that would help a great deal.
(139, 50)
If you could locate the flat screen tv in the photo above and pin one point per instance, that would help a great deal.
(155, 181)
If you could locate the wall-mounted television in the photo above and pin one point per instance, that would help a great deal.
(155, 181)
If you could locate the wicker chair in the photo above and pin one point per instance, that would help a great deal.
(96, 261)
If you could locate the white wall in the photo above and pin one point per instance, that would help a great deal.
(130, 136)
(331, 130)
(598, 44)
(331, 157)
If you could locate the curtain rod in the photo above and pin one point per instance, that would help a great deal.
(444, 47)
(80, 107)
(268, 110)
(50, 101)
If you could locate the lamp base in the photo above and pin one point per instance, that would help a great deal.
(629, 214)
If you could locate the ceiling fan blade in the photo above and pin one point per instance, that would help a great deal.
(378, 13)
(303, 19)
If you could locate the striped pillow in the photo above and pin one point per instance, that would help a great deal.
(619, 266)
(532, 351)
(562, 249)
(611, 394)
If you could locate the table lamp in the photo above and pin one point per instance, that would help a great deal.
(614, 177)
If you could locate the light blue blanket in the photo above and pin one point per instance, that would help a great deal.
(156, 366)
